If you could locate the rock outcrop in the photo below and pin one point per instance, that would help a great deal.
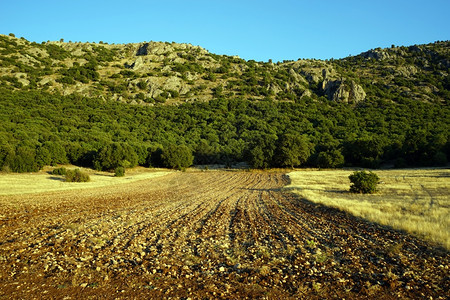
(377, 54)
(143, 50)
(343, 91)
(190, 73)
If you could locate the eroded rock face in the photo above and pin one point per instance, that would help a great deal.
(143, 50)
(343, 91)
(377, 54)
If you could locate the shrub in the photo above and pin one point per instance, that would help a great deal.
(177, 157)
(363, 182)
(119, 172)
(77, 176)
(6, 169)
(59, 171)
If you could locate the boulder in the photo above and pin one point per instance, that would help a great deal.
(175, 84)
(138, 63)
(306, 93)
(343, 91)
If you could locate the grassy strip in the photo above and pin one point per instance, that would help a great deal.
(414, 200)
(39, 182)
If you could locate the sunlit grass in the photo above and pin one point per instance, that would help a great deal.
(414, 200)
(16, 184)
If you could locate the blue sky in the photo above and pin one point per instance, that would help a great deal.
(259, 30)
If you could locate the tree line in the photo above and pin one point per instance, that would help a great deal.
(38, 129)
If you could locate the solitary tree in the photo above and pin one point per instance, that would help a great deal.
(363, 182)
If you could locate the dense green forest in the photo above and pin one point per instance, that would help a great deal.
(39, 128)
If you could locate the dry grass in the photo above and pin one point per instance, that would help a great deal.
(414, 200)
(43, 181)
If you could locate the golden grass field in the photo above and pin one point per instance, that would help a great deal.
(414, 200)
(43, 181)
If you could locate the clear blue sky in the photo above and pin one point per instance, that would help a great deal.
(252, 29)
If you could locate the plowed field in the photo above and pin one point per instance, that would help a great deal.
(201, 235)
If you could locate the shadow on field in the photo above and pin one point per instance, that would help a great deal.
(360, 227)
(57, 178)
(263, 190)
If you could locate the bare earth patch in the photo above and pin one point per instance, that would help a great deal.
(415, 200)
(199, 235)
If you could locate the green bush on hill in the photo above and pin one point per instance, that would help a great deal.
(363, 182)
(59, 171)
(77, 176)
(119, 172)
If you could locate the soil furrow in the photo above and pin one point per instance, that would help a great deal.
(215, 234)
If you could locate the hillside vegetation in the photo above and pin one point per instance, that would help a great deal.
(155, 72)
(108, 106)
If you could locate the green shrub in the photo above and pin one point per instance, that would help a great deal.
(59, 171)
(77, 176)
(177, 157)
(363, 182)
(119, 172)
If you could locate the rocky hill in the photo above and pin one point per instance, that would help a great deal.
(151, 73)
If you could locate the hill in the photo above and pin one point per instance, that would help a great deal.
(168, 104)
(157, 72)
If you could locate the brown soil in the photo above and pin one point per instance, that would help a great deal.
(206, 235)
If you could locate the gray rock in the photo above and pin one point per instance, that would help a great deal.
(138, 63)
(377, 54)
(297, 77)
(173, 83)
(343, 91)
(306, 93)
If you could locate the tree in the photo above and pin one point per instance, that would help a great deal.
(23, 160)
(115, 155)
(293, 150)
(365, 150)
(6, 152)
(51, 153)
(363, 182)
(330, 159)
(177, 157)
(262, 149)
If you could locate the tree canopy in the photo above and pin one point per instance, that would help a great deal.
(38, 128)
